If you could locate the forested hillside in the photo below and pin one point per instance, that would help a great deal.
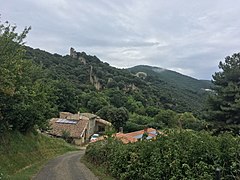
(81, 82)
(88, 74)
(173, 78)
(188, 93)
(36, 85)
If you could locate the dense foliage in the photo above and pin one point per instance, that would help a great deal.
(179, 155)
(95, 86)
(225, 102)
(36, 85)
(98, 84)
(166, 119)
(184, 93)
(24, 93)
(117, 116)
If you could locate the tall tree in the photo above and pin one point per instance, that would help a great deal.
(24, 94)
(10, 53)
(224, 104)
(117, 116)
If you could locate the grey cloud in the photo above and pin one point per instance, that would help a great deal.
(188, 36)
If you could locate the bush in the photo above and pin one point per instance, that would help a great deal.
(179, 155)
(66, 136)
(131, 126)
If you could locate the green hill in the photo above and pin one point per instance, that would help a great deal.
(85, 78)
(173, 78)
(188, 93)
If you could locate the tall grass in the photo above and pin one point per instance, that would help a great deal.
(22, 155)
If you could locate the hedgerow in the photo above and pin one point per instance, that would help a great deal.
(179, 155)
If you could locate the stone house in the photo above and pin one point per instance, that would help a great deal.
(79, 127)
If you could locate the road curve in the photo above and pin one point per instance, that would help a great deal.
(66, 167)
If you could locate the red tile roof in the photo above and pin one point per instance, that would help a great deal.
(125, 138)
(132, 136)
(136, 133)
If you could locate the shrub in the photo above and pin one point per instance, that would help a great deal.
(179, 155)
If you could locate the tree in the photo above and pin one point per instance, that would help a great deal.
(152, 111)
(168, 117)
(117, 98)
(132, 105)
(10, 66)
(188, 121)
(24, 94)
(224, 104)
(96, 103)
(117, 116)
(66, 96)
(10, 52)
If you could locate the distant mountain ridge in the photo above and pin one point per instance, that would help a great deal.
(173, 77)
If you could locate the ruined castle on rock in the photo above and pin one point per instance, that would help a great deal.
(77, 55)
(93, 79)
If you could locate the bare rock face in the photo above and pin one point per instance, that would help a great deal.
(82, 60)
(141, 75)
(94, 79)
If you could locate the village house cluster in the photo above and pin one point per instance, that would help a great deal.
(81, 127)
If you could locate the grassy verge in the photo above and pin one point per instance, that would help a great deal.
(22, 156)
(99, 171)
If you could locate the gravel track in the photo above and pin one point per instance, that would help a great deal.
(66, 167)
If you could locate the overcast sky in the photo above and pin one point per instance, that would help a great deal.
(187, 36)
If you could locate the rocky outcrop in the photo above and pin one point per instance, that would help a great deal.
(94, 80)
(82, 60)
(77, 55)
(130, 87)
(141, 75)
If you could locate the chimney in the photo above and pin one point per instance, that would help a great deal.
(121, 129)
(145, 130)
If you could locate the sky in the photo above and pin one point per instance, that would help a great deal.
(190, 37)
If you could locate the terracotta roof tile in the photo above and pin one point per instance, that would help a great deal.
(134, 136)
(125, 138)
(136, 133)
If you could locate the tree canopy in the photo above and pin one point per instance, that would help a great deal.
(117, 116)
(24, 94)
(36, 85)
(224, 104)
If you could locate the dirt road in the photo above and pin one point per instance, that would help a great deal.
(66, 167)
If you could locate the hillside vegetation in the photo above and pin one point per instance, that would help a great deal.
(188, 93)
(173, 78)
(84, 83)
(166, 90)
(21, 156)
(37, 85)
(178, 155)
